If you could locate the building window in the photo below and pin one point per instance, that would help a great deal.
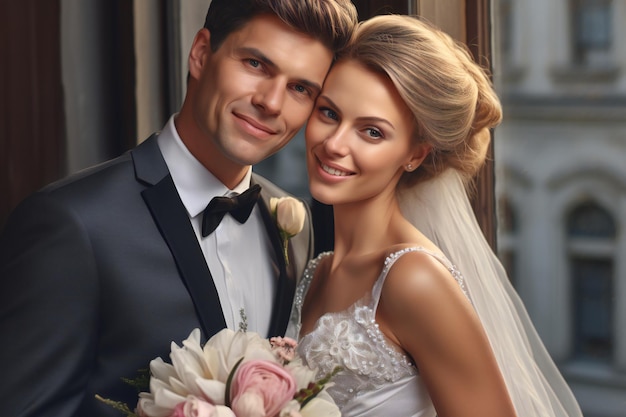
(591, 235)
(507, 237)
(505, 34)
(591, 30)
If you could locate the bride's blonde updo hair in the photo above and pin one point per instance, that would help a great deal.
(450, 95)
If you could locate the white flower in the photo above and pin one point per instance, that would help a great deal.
(289, 214)
(200, 372)
(301, 373)
(292, 409)
(196, 407)
(321, 406)
(195, 383)
(227, 347)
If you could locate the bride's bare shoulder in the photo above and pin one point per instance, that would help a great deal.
(418, 275)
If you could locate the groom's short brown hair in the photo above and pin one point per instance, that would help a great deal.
(329, 21)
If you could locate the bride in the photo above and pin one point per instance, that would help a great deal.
(412, 304)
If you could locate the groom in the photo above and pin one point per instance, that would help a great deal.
(101, 270)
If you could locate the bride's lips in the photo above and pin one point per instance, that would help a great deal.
(332, 171)
(253, 126)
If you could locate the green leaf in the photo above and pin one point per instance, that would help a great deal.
(229, 382)
(141, 381)
(119, 406)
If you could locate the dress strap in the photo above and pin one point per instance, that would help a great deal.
(394, 256)
(295, 319)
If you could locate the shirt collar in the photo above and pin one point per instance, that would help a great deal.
(196, 186)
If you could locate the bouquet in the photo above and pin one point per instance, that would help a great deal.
(235, 374)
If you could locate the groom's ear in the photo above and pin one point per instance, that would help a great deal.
(200, 53)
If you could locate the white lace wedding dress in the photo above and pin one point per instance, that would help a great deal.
(376, 379)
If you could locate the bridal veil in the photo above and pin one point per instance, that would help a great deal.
(440, 209)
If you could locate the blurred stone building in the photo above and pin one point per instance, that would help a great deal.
(560, 157)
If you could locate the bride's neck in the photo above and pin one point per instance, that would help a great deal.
(365, 228)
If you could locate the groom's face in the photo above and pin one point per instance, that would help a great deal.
(257, 89)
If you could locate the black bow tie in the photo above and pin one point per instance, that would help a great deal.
(239, 206)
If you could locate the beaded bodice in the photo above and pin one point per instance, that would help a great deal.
(352, 340)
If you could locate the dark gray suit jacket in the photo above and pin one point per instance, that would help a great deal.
(99, 272)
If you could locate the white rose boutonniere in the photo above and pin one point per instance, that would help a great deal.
(289, 214)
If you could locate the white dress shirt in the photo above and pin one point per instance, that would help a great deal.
(238, 255)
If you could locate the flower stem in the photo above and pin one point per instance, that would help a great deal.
(285, 250)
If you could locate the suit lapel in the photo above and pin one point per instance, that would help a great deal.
(173, 222)
(285, 287)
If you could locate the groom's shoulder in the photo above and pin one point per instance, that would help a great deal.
(269, 187)
(111, 175)
(98, 183)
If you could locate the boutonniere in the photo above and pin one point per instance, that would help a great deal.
(289, 214)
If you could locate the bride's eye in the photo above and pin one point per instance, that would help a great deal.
(329, 113)
(373, 133)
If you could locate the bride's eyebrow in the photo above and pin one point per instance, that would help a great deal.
(374, 119)
(328, 100)
(371, 119)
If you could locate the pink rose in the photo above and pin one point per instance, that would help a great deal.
(261, 384)
(193, 407)
(179, 410)
(249, 404)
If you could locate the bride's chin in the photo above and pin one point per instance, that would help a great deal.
(320, 196)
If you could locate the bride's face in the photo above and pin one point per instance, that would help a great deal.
(358, 138)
